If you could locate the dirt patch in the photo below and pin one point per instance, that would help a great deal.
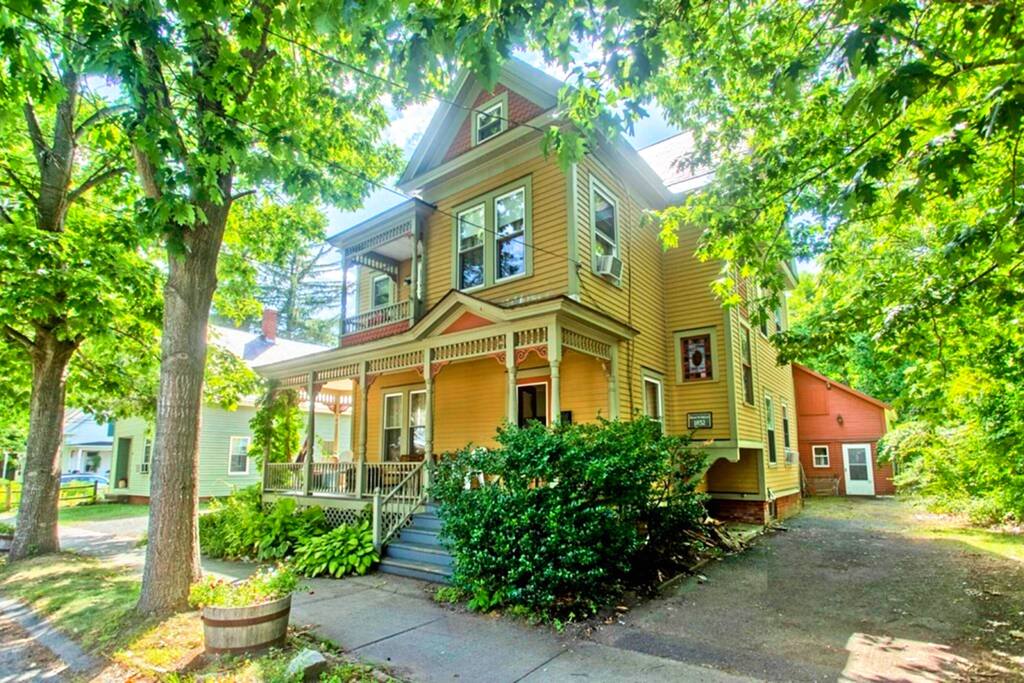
(854, 588)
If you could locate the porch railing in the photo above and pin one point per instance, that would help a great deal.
(284, 476)
(392, 511)
(378, 317)
(338, 479)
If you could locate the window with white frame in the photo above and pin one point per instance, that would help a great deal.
(381, 291)
(510, 234)
(492, 237)
(417, 423)
(147, 454)
(490, 120)
(769, 419)
(785, 426)
(746, 360)
(777, 315)
(604, 217)
(392, 427)
(654, 399)
(238, 455)
(820, 456)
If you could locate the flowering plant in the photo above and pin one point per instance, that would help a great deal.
(267, 584)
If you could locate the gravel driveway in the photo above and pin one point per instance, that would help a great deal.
(851, 591)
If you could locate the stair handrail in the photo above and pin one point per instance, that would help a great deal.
(405, 507)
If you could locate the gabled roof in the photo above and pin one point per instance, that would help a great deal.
(516, 75)
(839, 385)
(664, 159)
(255, 350)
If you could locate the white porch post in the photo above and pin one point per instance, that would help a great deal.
(344, 296)
(613, 383)
(555, 362)
(428, 428)
(361, 451)
(512, 395)
(310, 434)
(336, 410)
(414, 281)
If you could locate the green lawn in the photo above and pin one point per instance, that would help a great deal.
(91, 600)
(101, 512)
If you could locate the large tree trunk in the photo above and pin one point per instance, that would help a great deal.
(36, 532)
(172, 551)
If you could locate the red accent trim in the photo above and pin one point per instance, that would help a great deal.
(356, 338)
(467, 321)
(541, 350)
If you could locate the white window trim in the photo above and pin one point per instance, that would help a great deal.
(146, 463)
(522, 238)
(787, 427)
(653, 378)
(597, 187)
(459, 251)
(408, 418)
(500, 100)
(373, 288)
(678, 338)
(828, 456)
(547, 398)
(769, 422)
(490, 250)
(403, 418)
(747, 334)
(231, 452)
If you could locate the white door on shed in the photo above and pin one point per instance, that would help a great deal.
(858, 469)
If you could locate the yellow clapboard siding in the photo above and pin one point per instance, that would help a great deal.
(549, 273)
(584, 387)
(469, 404)
(734, 477)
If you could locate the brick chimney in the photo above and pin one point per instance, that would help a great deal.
(269, 324)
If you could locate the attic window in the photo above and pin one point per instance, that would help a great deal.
(490, 119)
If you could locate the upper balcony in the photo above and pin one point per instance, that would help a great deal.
(389, 248)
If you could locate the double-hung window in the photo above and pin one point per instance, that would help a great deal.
(769, 418)
(654, 400)
(392, 427)
(785, 426)
(471, 247)
(820, 454)
(489, 120)
(147, 454)
(605, 219)
(417, 423)
(510, 238)
(238, 455)
(777, 315)
(492, 237)
(748, 368)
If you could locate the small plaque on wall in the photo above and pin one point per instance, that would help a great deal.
(698, 420)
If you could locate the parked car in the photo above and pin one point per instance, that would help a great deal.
(84, 478)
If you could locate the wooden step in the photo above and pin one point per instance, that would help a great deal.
(415, 552)
(416, 570)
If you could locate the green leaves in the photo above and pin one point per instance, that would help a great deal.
(346, 549)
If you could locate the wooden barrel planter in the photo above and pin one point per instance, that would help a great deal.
(234, 630)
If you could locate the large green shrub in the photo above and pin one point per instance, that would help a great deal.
(566, 514)
(239, 527)
(342, 550)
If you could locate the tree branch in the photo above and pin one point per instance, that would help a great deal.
(98, 116)
(94, 180)
(19, 183)
(5, 215)
(244, 193)
(35, 133)
(18, 337)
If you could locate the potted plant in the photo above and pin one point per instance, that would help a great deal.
(247, 615)
(6, 536)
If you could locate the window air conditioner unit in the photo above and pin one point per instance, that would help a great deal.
(608, 265)
(790, 456)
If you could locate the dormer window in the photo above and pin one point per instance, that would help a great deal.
(491, 119)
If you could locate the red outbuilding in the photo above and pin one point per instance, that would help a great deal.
(839, 429)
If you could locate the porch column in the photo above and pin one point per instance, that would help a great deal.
(512, 395)
(344, 296)
(554, 362)
(613, 383)
(336, 410)
(363, 406)
(307, 465)
(428, 428)
(414, 281)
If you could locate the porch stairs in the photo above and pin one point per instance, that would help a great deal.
(416, 551)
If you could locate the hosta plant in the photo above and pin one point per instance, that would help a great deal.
(343, 550)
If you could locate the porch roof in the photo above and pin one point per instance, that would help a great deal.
(434, 323)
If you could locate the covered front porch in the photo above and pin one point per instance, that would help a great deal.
(467, 367)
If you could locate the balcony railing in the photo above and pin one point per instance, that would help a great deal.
(378, 317)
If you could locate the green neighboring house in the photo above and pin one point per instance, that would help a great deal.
(224, 435)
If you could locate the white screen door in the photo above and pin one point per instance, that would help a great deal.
(857, 467)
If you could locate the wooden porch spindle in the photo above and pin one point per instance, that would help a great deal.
(310, 435)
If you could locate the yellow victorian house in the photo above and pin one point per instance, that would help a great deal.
(513, 290)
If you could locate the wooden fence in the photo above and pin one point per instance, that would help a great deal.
(73, 494)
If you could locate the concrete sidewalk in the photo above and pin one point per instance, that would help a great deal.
(394, 621)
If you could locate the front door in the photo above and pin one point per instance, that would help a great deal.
(533, 403)
(858, 469)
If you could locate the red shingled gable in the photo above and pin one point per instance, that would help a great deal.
(520, 110)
